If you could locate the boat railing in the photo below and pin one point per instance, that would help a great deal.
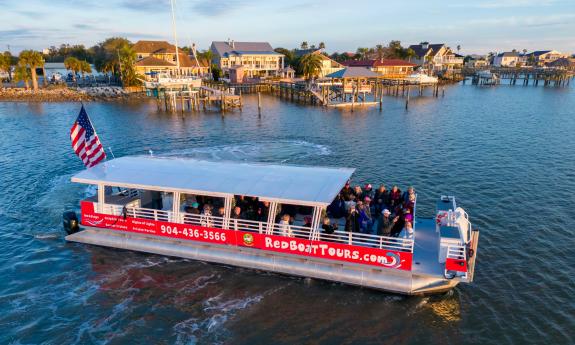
(278, 229)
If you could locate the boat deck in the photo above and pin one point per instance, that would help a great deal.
(426, 249)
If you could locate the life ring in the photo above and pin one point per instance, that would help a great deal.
(440, 217)
(470, 253)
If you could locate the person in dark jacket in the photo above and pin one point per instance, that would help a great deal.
(328, 229)
(352, 220)
(381, 199)
(385, 223)
(395, 196)
(337, 207)
(346, 192)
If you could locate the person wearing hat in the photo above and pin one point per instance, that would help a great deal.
(385, 224)
(193, 209)
(368, 191)
(346, 191)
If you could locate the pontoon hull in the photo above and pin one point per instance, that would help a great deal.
(392, 280)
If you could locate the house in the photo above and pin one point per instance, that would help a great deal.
(389, 68)
(258, 58)
(436, 57)
(476, 61)
(543, 57)
(154, 57)
(328, 65)
(507, 59)
(563, 63)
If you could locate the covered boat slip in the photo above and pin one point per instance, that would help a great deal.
(133, 219)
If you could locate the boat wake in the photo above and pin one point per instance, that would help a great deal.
(282, 151)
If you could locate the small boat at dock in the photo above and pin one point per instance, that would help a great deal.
(152, 205)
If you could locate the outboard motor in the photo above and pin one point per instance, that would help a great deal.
(71, 224)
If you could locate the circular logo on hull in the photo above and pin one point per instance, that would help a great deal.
(248, 240)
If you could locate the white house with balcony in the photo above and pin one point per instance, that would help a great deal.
(507, 59)
(436, 57)
(257, 58)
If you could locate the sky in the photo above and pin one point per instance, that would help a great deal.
(478, 26)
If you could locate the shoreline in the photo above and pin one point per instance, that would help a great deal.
(64, 94)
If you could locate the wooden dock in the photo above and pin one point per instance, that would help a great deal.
(174, 99)
(534, 76)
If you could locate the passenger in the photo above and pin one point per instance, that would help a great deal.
(285, 228)
(194, 209)
(307, 221)
(365, 221)
(350, 203)
(219, 221)
(346, 192)
(408, 230)
(395, 197)
(352, 220)
(206, 217)
(328, 230)
(337, 207)
(368, 191)
(381, 199)
(263, 211)
(358, 193)
(409, 202)
(409, 193)
(385, 223)
(398, 212)
(236, 215)
(221, 212)
(407, 216)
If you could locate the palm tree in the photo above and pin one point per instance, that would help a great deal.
(362, 52)
(409, 53)
(22, 73)
(310, 65)
(85, 68)
(33, 60)
(458, 48)
(321, 45)
(74, 65)
(304, 45)
(209, 55)
(380, 51)
(5, 63)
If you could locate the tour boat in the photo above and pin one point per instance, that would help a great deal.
(149, 204)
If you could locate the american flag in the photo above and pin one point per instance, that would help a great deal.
(85, 141)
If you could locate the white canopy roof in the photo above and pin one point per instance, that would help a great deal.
(283, 183)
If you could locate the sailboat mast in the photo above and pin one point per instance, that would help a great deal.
(175, 36)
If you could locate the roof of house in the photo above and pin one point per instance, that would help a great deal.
(185, 61)
(420, 51)
(222, 47)
(508, 54)
(540, 52)
(150, 47)
(283, 183)
(353, 72)
(378, 63)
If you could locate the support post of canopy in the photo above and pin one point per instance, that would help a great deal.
(271, 218)
(101, 197)
(314, 233)
(176, 208)
(227, 211)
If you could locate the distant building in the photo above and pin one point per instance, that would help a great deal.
(160, 57)
(476, 61)
(507, 59)
(436, 57)
(543, 57)
(328, 65)
(258, 58)
(389, 68)
(563, 63)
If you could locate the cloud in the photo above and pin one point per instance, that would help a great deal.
(495, 4)
(215, 8)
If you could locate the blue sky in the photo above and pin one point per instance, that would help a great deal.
(479, 26)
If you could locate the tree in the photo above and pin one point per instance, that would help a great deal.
(115, 55)
(208, 55)
(288, 54)
(409, 53)
(362, 52)
(321, 45)
(6, 64)
(216, 72)
(304, 45)
(310, 65)
(85, 68)
(458, 48)
(380, 51)
(22, 73)
(32, 59)
(74, 65)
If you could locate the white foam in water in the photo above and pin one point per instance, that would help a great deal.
(278, 151)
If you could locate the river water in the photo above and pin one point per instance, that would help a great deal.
(507, 153)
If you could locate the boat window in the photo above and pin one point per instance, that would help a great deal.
(250, 208)
(200, 204)
(298, 215)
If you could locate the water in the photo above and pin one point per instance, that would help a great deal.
(507, 153)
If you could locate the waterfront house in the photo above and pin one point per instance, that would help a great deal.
(438, 58)
(476, 61)
(543, 57)
(387, 68)
(160, 57)
(257, 58)
(507, 59)
(328, 65)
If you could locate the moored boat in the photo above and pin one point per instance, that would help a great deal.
(151, 205)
